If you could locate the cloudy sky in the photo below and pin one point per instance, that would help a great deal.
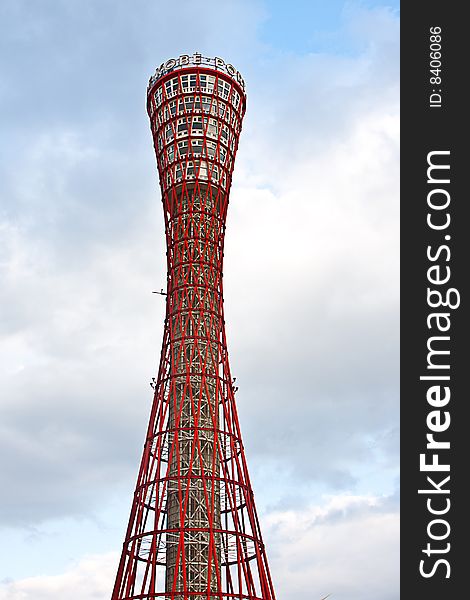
(311, 282)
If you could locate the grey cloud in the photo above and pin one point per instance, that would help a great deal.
(312, 333)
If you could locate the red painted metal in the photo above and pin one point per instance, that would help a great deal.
(193, 531)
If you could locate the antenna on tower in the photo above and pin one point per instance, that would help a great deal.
(160, 293)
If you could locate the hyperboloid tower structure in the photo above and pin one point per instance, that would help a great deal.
(193, 531)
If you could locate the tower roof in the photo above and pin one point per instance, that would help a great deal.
(196, 60)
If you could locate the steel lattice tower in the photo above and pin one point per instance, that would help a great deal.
(193, 531)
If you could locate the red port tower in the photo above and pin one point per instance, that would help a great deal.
(193, 531)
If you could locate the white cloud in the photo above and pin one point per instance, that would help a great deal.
(89, 579)
(348, 546)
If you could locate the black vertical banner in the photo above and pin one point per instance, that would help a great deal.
(435, 360)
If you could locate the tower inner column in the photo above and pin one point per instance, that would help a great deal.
(195, 320)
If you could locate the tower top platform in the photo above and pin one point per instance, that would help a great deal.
(196, 60)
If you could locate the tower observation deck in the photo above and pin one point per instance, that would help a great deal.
(193, 530)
